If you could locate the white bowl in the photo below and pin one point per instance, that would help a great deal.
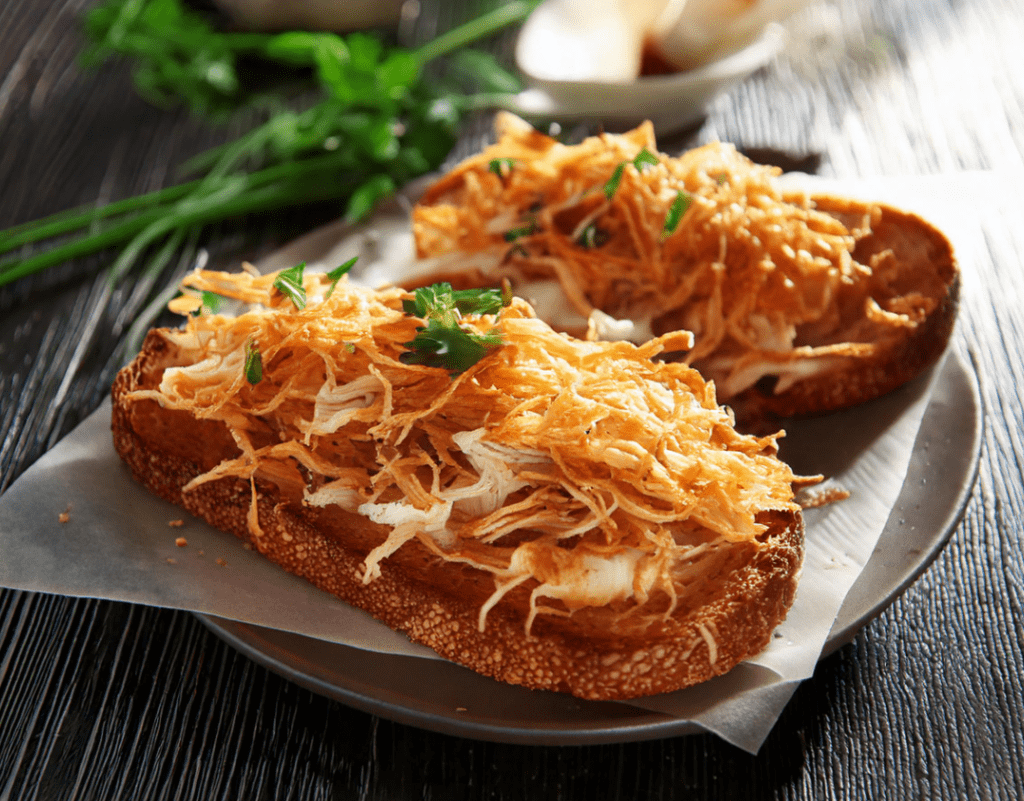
(671, 102)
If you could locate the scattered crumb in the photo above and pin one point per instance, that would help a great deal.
(247, 546)
(221, 562)
(812, 499)
(181, 542)
(171, 560)
(176, 523)
(64, 516)
(202, 553)
(461, 709)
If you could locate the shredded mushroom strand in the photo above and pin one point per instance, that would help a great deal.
(624, 467)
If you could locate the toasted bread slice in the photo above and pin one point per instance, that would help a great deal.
(798, 304)
(563, 515)
(914, 279)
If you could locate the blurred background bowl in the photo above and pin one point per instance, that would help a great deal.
(671, 101)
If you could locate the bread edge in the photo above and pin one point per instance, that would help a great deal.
(856, 380)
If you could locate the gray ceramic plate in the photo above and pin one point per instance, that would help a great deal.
(444, 697)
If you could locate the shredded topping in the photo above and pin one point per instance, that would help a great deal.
(704, 242)
(588, 471)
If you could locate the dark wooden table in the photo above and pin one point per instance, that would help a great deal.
(102, 700)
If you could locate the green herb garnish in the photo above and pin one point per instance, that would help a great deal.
(676, 212)
(289, 283)
(335, 275)
(453, 349)
(613, 183)
(517, 233)
(343, 118)
(441, 302)
(209, 303)
(645, 158)
(253, 363)
(444, 341)
(642, 159)
(501, 167)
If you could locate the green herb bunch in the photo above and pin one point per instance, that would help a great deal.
(355, 119)
(444, 340)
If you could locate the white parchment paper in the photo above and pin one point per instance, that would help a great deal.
(76, 524)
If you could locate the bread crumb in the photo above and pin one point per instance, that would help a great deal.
(176, 523)
(64, 516)
(181, 542)
(813, 499)
(221, 562)
(171, 560)
(461, 709)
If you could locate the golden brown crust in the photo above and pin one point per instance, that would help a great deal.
(437, 604)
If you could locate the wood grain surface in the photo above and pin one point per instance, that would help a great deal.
(102, 700)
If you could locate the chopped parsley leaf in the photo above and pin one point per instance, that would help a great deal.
(524, 230)
(253, 363)
(335, 275)
(289, 283)
(444, 341)
(676, 212)
(501, 167)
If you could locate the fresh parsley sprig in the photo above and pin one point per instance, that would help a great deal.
(444, 341)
